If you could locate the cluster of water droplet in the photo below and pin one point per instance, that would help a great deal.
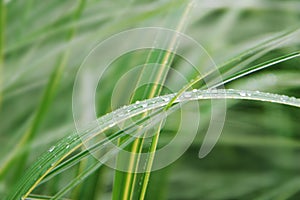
(126, 112)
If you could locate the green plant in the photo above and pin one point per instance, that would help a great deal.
(41, 51)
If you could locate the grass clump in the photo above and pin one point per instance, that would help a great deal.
(255, 49)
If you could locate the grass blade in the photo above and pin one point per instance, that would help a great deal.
(57, 153)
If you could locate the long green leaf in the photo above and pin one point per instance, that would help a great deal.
(69, 144)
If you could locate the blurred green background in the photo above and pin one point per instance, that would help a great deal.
(43, 43)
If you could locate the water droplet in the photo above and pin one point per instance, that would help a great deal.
(194, 90)
(243, 94)
(137, 102)
(165, 98)
(67, 146)
(214, 90)
(187, 95)
(111, 125)
(51, 148)
(293, 99)
(144, 105)
(284, 98)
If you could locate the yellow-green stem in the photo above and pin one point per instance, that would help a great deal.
(167, 59)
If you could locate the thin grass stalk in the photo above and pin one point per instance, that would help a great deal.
(83, 175)
(33, 176)
(130, 178)
(74, 142)
(161, 75)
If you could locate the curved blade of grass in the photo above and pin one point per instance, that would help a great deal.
(235, 94)
(67, 145)
(231, 78)
(87, 172)
(73, 142)
(263, 47)
(259, 67)
(128, 186)
(250, 54)
(87, 152)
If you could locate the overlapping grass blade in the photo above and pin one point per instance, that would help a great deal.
(66, 146)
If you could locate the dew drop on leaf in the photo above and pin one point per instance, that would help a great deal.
(187, 95)
(165, 99)
(293, 98)
(111, 125)
(51, 148)
(243, 94)
(144, 105)
(284, 98)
